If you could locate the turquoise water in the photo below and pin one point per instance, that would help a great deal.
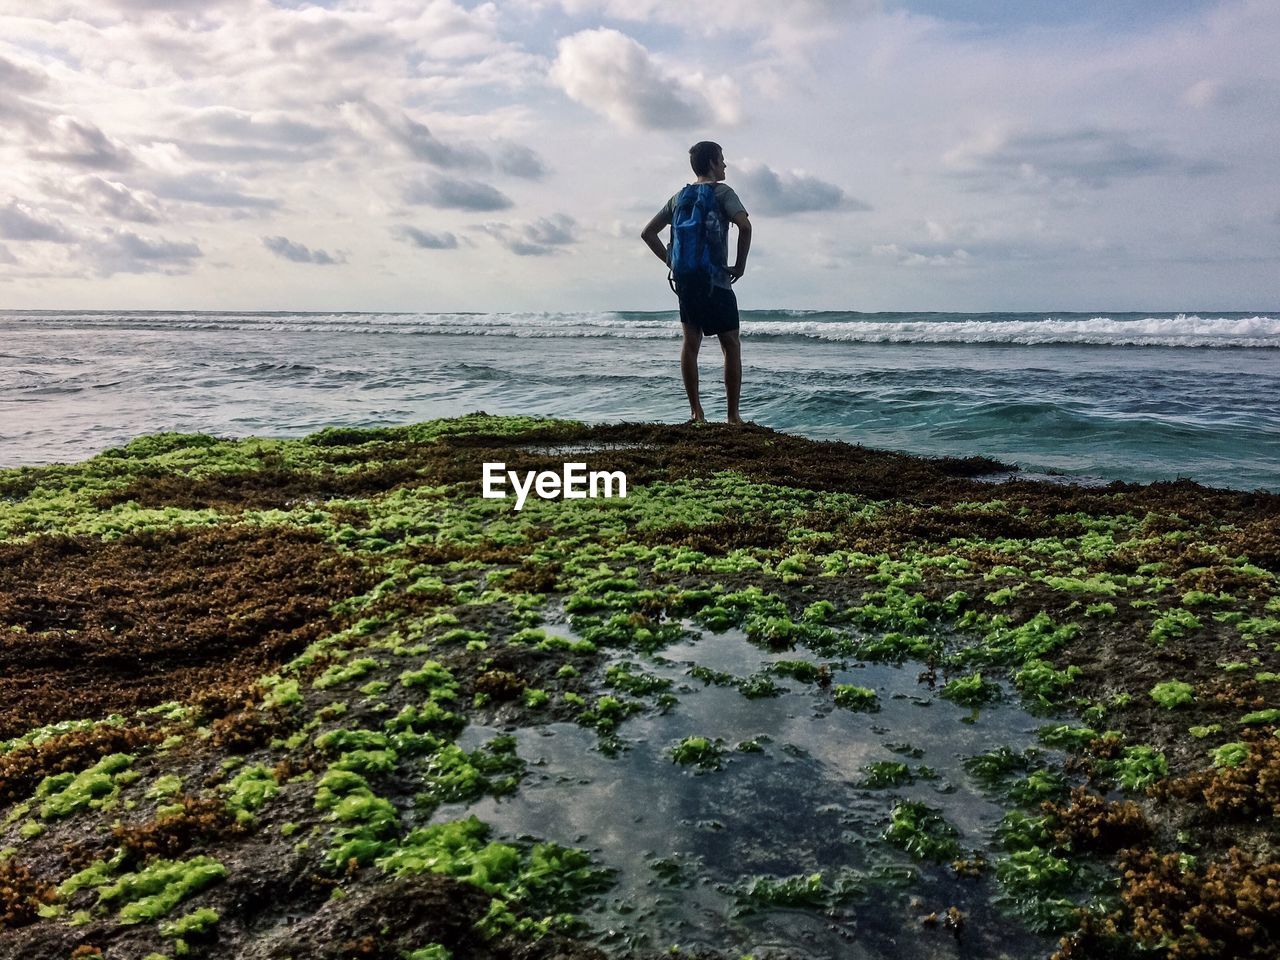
(1145, 396)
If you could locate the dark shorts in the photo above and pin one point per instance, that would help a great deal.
(714, 311)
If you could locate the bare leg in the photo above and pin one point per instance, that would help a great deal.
(689, 369)
(731, 346)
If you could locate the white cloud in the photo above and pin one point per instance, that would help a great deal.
(786, 192)
(79, 143)
(414, 138)
(1084, 156)
(453, 193)
(211, 189)
(20, 78)
(905, 257)
(783, 25)
(122, 251)
(517, 160)
(536, 238)
(612, 74)
(300, 253)
(426, 239)
(109, 198)
(18, 221)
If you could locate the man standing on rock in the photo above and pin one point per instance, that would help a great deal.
(698, 256)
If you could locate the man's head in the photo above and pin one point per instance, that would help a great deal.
(707, 159)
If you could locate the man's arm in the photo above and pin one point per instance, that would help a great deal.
(650, 234)
(743, 223)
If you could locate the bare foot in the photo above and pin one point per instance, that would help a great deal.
(697, 417)
(736, 421)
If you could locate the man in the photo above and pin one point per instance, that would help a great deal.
(709, 309)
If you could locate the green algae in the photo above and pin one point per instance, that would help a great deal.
(97, 787)
(164, 786)
(438, 682)
(1040, 682)
(922, 832)
(453, 775)
(1137, 767)
(545, 879)
(1205, 730)
(807, 890)
(249, 791)
(802, 670)
(970, 691)
(886, 773)
(1231, 754)
(535, 698)
(1036, 883)
(853, 697)
(993, 768)
(1258, 718)
(153, 892)
(629, 678)
(1067, 737)
(1171, 694)
(701, 752)
(1038, 786)
(197, 922)
(341, 673)
(759, 685)
(365, 820)
(1172, 624)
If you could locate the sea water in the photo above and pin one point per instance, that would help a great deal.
(1130, 396)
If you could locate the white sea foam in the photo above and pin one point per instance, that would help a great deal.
(1182, 330)
(1179, 330)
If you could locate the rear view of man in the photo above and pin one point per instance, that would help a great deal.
(698, 258)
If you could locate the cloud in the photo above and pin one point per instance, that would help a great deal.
(414, 138)
(518, 160)
(264, 126)
(1217, 93)
(781, 24)
(227, 135)
(20, 222)
(6, 256)
(110, 198)
(79, 143)
(19, 78)
(536, 238)
(298, 253)
(1088, 157)
(210, 190)
(426, 239)
(924, 256)
(610, 73)
(122, 251)
(787, 192)
(450, 193)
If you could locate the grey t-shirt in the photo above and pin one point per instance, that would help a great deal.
(730, 207)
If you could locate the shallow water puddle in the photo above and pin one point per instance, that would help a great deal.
(688, 843)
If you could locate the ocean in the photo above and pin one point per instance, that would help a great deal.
(1097, 396)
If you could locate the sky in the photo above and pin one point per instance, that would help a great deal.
(434, 155)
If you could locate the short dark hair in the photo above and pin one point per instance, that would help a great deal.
(701, 154)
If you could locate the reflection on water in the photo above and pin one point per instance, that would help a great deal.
(684, 841)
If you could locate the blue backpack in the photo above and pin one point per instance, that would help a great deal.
(697, 235)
